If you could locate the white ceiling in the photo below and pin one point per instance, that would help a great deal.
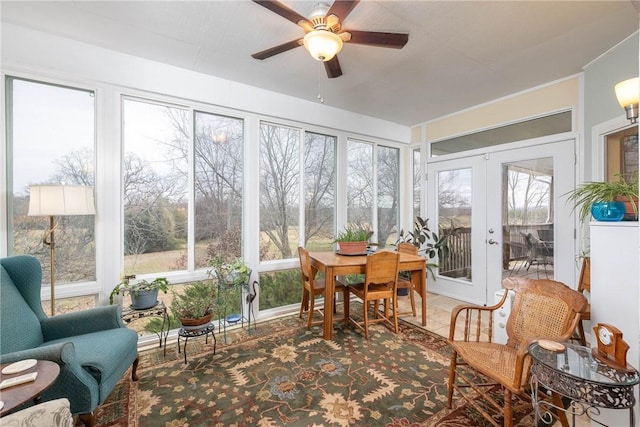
(460, 53)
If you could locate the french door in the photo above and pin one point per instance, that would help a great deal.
(505, 213)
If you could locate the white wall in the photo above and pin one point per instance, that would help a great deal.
(32, 51)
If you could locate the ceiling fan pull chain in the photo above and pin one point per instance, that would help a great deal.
(320, 98)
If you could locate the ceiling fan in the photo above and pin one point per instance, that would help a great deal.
(324, 34)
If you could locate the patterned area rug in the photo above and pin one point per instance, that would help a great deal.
(286, 375)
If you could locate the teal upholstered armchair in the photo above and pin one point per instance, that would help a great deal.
(93, 347)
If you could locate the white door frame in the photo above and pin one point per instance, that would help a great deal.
(487, 214)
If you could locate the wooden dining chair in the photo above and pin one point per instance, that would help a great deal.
(584, 285)
(406, 283)
(380, 283)
(312, 287)
(542, 309)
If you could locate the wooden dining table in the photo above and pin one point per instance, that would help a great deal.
(333, 264)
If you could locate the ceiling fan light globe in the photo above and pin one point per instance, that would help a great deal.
(323, 45)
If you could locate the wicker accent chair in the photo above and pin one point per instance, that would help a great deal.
(542, 309)
(312, 287)
(584, 285)
(380, 282)
(404, 283)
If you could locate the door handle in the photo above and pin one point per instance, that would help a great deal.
(493, 242)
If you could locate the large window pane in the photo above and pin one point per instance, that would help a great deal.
(360, 183)
(155, 174)
(218, 187)
(417, 182)
(454, 212)
(51, 138)
(279, 191)
(320, 193)
(388, 193)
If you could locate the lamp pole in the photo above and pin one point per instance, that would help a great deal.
(52, 251)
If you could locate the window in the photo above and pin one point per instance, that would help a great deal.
(218, 187)
(366, 193)
(319, 191)
(155, 181)
(279, 191)
(359, 183)
(58, 150)
(417, 182)
(388, 192)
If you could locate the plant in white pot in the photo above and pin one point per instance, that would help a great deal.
(231, 273)
(144, 294)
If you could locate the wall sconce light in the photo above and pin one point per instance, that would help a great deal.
(627, 93)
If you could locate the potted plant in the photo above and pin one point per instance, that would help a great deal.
(231, 273)
(144, 294)
(429, 244)
(194, 305)
(607, 197)
(353, 240)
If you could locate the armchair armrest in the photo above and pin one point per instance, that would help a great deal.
(82, 322)
(74, 381)
(475, 319)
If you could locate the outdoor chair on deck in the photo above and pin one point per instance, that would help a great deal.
(542, 309)
(312, 287)
(380, 282)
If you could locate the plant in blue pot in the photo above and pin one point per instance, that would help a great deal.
(607, 201)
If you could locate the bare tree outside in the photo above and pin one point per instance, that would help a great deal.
(279, 190)
(218, 184)
(155, 187)
(529, 196)
(360, 183)
(320, 191)
(68, 115)
(388, 195)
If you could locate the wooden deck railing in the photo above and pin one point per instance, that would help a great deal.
(458, 263)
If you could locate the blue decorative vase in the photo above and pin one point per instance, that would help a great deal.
(608, 211)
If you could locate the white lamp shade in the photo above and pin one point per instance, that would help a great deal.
(628, 92)
(322, 44)
(60, 200)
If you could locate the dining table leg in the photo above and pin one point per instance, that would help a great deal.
(329, 295)
(420, 277)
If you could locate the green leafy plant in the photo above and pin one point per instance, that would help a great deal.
(133, 288)
(354, 233)
(196, 300)
(429, 244)
(231, 273)
(589, 193)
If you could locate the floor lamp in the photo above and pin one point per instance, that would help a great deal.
(58, 200)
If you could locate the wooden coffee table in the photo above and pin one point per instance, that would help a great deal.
(17, 395)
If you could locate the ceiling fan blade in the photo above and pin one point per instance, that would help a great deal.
(342, 8)
(282, 10)
(332, 67)
(373, 38)
(267, 53)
